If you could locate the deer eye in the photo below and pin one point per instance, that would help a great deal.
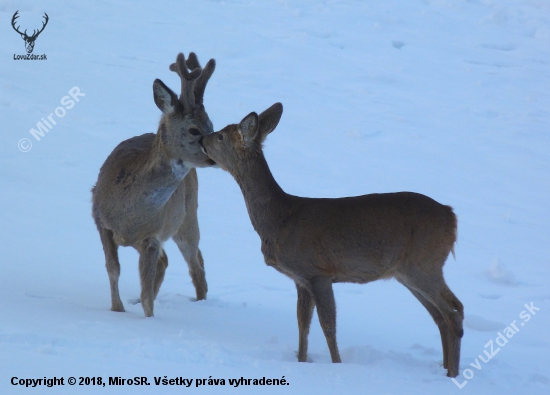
(220, 137)
(194, 132)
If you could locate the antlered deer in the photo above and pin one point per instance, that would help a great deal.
(359, 239)
(146, 191)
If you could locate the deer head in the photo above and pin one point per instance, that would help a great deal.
(185, 120)
(29, 40)
(233, 146)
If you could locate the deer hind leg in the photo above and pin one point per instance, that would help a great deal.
(113, 267)
(304, 310)
(433, 288)
(439, 320)
(162, 264)
(149, 253)
(187, 240)
(323, 295)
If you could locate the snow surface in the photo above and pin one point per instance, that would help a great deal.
(446, 98)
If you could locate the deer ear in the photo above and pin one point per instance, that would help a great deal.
(269, 119)
(165, 99)
(248, 128)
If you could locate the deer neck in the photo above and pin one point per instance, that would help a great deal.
(267, 204)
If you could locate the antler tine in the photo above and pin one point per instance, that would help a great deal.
(200, 85)
(187, 82)
(181, 69)
(193, 62)
(13, 21)
(47, 18)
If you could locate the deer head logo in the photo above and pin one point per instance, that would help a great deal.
(29, 40)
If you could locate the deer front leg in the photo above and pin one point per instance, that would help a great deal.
(148, 258)
(304, 309)
(193, 257)
(113, 267)
(188, 236)
(187, 239)
(326, 310)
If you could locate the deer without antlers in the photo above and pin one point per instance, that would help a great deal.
(29, 41)
(146, 191)
(317, 242)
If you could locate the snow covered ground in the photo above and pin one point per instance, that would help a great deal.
(446, 98)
